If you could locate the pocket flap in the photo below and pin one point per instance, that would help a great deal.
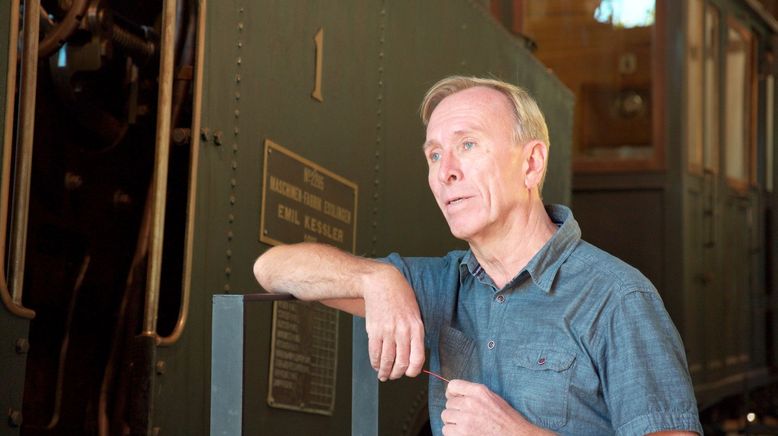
(544, 359)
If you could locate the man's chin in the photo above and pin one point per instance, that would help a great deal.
(460, 232)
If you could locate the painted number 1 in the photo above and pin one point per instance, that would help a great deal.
(319, 40)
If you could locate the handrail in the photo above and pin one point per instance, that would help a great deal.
(161, 158)
(14, 302)
(186, 285)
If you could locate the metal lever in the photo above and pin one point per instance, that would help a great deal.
(186, 285)
(13, 302)
(162, 155)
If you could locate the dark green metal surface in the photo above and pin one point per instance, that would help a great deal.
(378, 60)
(14, 329)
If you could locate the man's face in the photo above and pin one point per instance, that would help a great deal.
(475, 169)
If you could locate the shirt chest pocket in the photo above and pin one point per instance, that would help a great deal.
(537, 383)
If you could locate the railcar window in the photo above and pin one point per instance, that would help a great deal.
(769, 130)
(695, 64)
(702, 84)
(712, 96)
(606, 56)
(739, 125)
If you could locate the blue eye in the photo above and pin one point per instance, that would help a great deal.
(434, 157)
(468, 145)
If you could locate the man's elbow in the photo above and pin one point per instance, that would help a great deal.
(262, 274)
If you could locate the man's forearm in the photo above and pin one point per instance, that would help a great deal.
(315, 272)
(363, 287)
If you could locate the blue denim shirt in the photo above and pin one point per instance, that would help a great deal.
(579, 342)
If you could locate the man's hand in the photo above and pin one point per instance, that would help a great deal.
(394, 327)
(472, 408)
(362, 287)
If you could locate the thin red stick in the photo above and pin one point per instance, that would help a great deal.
(436, 375)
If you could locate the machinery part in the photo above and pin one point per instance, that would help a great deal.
(159, 180)
(13, 301)
(193, 162)
(54, 39)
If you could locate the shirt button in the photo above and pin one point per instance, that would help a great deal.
(490, 344)
(500, 298)
(542, 361)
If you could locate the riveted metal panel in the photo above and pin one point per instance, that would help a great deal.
(372, 62)
(13, 350)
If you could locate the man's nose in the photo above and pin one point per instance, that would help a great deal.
(449, 169)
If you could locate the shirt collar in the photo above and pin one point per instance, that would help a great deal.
(544, 266)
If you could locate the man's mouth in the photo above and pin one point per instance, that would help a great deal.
(455, 200)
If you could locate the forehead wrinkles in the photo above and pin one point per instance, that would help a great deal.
(472, 110)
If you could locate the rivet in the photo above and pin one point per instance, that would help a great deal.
(228, 271)
(240, 44)
(205, 134)
(121, 198)
(232, 199)
(230, 235)
(237, 96)
(239, 61)
(237, 78)
(231, 217)
(180, 135)
(160, 367)
(227, 287)
(73, 181)
(234, 164)
(22, 346)
(236, 131)
(14, 418)
(240, 26)
(217, 137)
(228, 253)
(233, 182)
(237, 113)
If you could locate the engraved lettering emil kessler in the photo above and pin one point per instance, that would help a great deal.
(313, 201)
(312, 224)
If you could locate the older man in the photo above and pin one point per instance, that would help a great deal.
(536, 330)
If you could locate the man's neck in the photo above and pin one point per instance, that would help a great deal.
(502, 256)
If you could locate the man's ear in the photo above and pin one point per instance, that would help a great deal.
(536, 153)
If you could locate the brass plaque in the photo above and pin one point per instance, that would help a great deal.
(302, 201)
(303, 357)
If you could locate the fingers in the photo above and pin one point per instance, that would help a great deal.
(458, 388)
(416, 361)
(401, 358)
(387, 359)
(397, 351)
(374, 346)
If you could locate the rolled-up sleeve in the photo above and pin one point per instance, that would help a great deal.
(645, 379)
